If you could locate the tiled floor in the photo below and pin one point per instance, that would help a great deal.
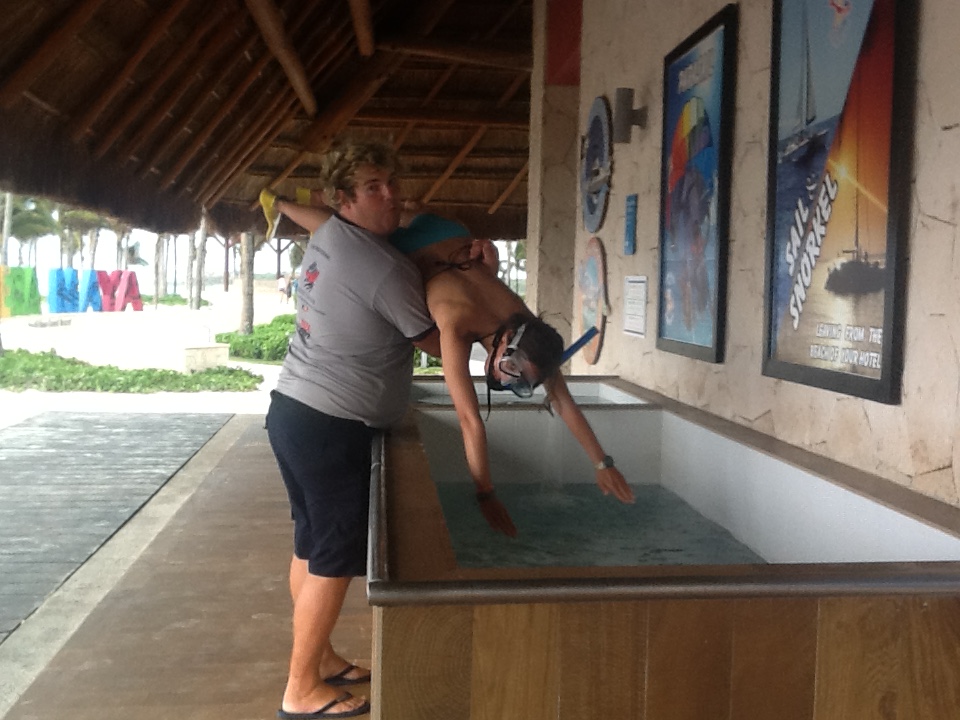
(69, 481)
(199, 626)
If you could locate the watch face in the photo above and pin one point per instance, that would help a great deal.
(596, 165)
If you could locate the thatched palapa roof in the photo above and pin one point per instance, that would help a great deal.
(150, 110)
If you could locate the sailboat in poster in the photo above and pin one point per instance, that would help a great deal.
(804, 141)
(858, 271)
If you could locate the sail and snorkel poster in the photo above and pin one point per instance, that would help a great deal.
(698, 99)
(839, 136)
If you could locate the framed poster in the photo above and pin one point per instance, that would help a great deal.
(698, 104)
(839, 141)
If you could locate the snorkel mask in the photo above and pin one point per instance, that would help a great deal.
(511, 365)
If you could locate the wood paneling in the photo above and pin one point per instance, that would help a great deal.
(774, 659)
(689, 664)
(930, 675)
(422, 663)
(888, 657)
(602, 660)
(516, 668)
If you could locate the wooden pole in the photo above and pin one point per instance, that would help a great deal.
(246, 281)
(362, 26)
(270, 22)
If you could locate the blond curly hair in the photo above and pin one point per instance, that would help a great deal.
(338, 168)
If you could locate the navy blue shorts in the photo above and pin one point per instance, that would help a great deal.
(325, 464)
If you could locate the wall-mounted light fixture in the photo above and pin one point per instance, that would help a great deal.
(625, 116)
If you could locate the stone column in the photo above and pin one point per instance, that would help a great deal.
(552, 184)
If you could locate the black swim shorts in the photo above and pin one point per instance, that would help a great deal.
(325, 464)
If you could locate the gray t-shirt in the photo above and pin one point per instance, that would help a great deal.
(360, 303)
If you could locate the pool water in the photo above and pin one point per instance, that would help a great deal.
(574, 525)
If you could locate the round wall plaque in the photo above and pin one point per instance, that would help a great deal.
(596, 165)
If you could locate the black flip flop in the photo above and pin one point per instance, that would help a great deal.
(322, 712)
(341, 679)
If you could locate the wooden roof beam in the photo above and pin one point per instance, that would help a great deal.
(320, 134)
(157, 30)
(465, 54)
(241, 159)
(19, 80)
(132, 111)
(227, 167)
(226, 106)
(424, 116)
(434, 91)
(224, 144)
(270, 22)
(510, 188)
(362, 26)
(471, 143)
(206, 92)
(452, 68)
(254, 153)
(158, 114)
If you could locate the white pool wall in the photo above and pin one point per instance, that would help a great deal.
(533, 447)
(786, 514)
(783, 513)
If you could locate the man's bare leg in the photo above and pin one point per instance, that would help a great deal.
(330, 662)
(315, 613)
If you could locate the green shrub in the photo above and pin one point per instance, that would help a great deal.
(23, 370)
(267, 341)
(432, 362)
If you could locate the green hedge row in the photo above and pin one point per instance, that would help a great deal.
(23, 370)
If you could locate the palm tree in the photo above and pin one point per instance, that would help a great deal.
(30, 220)
(77, 224)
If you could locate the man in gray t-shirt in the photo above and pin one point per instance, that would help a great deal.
(347, 371)
(360, 306)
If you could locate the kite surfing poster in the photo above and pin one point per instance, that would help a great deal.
(839, 134)
(698, 104)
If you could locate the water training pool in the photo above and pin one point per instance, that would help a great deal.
(455, 615)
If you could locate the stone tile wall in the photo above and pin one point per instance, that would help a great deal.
(916, 443)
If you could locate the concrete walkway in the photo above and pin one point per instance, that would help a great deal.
(69, 481)
(183, 612)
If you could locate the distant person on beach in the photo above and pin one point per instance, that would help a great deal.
(347, 373)
(282, 287)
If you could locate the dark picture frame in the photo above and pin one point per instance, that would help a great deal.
(837, 208)
(699, 82)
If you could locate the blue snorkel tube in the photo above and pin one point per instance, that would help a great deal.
(584, 339)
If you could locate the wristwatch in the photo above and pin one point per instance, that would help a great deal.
(607, 462)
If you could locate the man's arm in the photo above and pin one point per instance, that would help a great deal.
(309, 217)
(429, 343)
